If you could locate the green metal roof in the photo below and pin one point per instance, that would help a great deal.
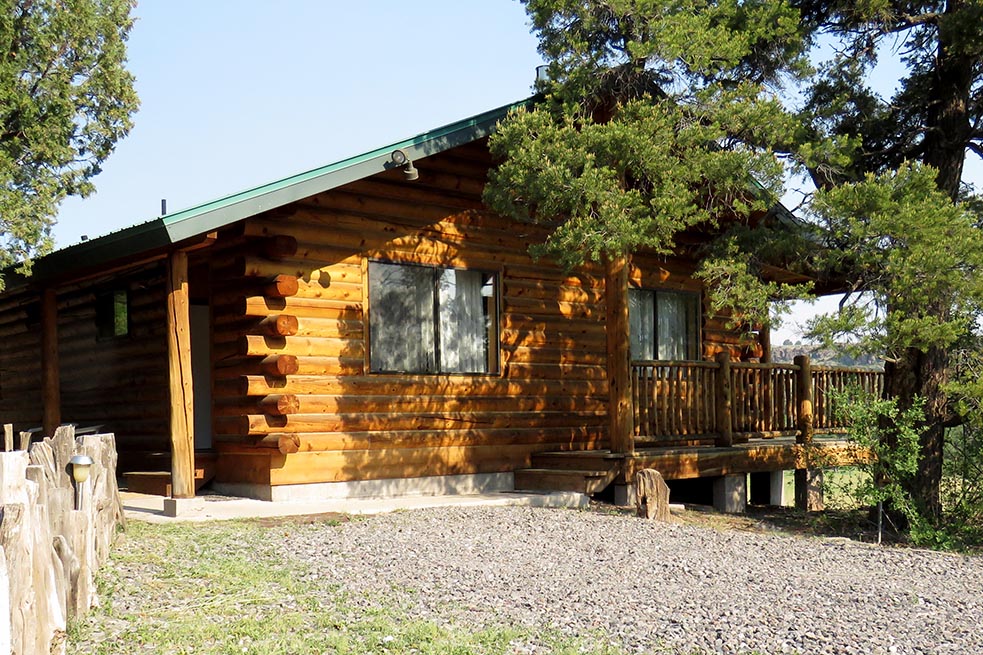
(185, 224)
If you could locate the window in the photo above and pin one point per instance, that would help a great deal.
(664, 324)
(113, 314)
(432, 320)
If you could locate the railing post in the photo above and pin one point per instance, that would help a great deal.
(724, 401)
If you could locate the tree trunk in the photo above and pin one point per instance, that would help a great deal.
(923, 375)
(948, 128)
(947, 133)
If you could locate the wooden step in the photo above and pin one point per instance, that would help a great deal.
(548, 479)
(582, 460)
(158, 483)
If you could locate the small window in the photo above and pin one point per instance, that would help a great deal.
(664, 325)
(113, 314)
(432, 320)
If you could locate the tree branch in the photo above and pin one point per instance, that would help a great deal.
(907, 21)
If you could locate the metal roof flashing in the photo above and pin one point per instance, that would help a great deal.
(210, 216)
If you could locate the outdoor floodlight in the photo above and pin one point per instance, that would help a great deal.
(400, 158)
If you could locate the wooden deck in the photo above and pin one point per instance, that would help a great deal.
(713, 419)
(686, 462)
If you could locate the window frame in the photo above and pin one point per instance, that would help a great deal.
(697, 336)
(494, 349)
(107, 326)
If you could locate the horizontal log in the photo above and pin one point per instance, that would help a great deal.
(343, 291)
(527, 322)
(341, 466)
(286, 443)
(562, 356)
(550, 339)
(251, 345)
(353, 403)
(278, 246)
(537, 307)
(260, 306)
(256, 424)
(761, 456)
(309, 258)
(273, 365)
(338, 466)
(415, 386)
(555, 371)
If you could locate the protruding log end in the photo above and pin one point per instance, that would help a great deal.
(279, 325)
(280, 365)
(288, 443)
(282, 286)
(280, 404)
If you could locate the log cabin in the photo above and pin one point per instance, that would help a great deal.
(370, 328)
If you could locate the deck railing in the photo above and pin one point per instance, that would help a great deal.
(724, 401)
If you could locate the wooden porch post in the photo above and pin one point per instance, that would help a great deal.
(50, 377)
(725, 405)
(180, 378)
(621, 431)
(764, 338)
(803, 400)
(808, 481)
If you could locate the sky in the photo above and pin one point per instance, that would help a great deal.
(237, 93)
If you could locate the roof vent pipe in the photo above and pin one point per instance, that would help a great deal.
(163, 206)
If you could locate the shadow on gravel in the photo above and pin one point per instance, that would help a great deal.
(855, 525)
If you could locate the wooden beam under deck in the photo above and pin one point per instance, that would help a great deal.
(780, 454)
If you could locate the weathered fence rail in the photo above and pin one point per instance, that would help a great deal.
(723, 401)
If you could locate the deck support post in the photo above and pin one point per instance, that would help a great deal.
(730, 493)
(776, 491)
(767, 488)
(621, 431)
(625, 495)
(725, 422)
(50, 372)
(180, 378)
(808, 481)
(809, 490)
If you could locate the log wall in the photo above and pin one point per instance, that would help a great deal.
(294, 399)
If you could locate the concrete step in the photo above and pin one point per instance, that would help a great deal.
(548, 479)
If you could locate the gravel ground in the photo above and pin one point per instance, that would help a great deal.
(649, 586)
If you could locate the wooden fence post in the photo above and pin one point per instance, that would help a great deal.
(724, 401)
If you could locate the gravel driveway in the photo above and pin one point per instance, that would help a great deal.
(649, 586)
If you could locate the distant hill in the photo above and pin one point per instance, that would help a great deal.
(824, 356)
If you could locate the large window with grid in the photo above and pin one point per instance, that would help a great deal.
(664, 324)
(425, 319)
